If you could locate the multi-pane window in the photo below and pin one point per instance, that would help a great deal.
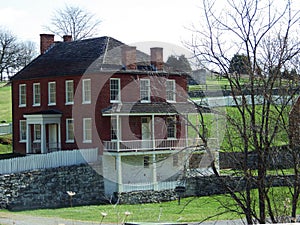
(22, 95)
(69, 92)
(145, 90)
(87, 130)
(51, 93)
(36, 94)
(86, 91)
(69, 130)
(22, 130)
(37, 132)
(113, 128)
(171, 127)
(115, 90)
(170, 91)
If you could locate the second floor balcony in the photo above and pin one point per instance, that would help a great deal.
(151, 145)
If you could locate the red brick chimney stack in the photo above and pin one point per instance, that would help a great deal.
(157, 59)
(129, 57)
(67, 38)
(46, 40)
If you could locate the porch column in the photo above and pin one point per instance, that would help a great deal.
(119, 173)
(154, 173)
(186, 131)
(59, 136)
(28, 138)
(153, 132)
(43, 139)
(118, 133)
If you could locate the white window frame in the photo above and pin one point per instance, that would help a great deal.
(86, 91)
(36, 89)
(87, 131)
(173, 118)
(69, 89)
(115, 98)
(51, 93)
(145, 91)
(171, 91)
(69, 121)
(37, 133)
(22, 95)
(23, 130)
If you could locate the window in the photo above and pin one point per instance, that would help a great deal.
(69, 130)
(171, 91)
(69, 92)
(145, 90)
(113, 128)
(146, 161)
(22, 95)
(87, 130)
(36, 94)
(86, 91)
(51, 93)
(23, 130)
(115, 90)
(171, 127)
(37, 132)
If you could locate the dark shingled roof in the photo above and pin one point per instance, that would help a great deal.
(154, 108)
(77, 58)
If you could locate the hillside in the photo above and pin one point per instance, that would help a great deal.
(5, 103)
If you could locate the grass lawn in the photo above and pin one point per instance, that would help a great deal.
(190, 210)
(5, 103)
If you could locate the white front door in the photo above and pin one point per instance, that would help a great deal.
(52, 139)
(146, 132)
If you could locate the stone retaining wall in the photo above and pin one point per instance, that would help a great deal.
(48, 188)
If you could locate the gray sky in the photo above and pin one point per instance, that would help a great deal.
(129, 21)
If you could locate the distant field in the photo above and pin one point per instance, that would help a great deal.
(5, 103)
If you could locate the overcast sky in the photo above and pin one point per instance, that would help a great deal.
(129, 21)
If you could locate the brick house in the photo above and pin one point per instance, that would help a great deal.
(100, 93)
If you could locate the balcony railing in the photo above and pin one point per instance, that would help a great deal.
(148, 145)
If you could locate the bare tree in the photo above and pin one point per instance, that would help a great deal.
(72, 20)
(14, 55)
(266, 34)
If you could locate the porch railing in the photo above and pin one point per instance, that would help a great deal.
(50, 147)
(164, 185)
(157, 144)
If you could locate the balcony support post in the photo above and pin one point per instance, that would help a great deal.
(154, 173)
(119, 173)
(153, 132)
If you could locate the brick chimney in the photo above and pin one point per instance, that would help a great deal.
(46, 40)
(129, 57)
(67, 38)
(157, 59)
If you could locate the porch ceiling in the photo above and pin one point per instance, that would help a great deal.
(43, 117)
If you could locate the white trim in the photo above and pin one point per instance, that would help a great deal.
(68, 140)
(35, 104)
(20, 131)
(119, 91)
(172, 90)
(148, 90)
(86, 97)
(50, 92)
(21, 104)
(67, 82)
(85, 140)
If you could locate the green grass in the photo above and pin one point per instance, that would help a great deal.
(7, 147)
(5, 103)
(190, 210)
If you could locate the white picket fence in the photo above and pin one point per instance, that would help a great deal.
(50, 160)
(5, 128)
